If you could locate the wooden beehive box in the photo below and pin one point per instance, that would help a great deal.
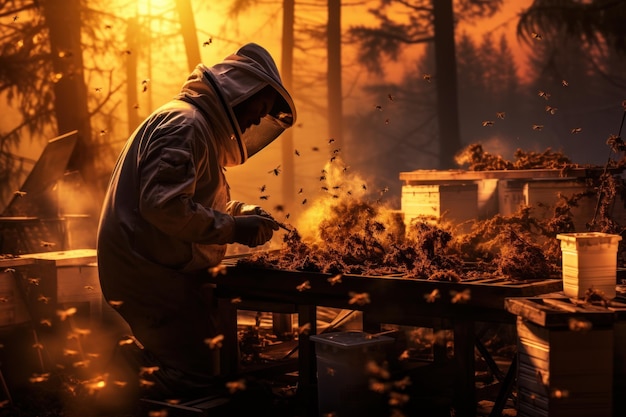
(13, 309)
(454, 202)
(502, 192)
(565, 357)
(64, 279)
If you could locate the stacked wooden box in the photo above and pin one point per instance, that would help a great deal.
(465, 195)
(13, 309)
(60, 280)
(567, 356)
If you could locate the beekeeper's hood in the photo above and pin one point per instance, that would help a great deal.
(239, 77)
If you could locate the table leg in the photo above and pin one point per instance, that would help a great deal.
(464, 400)
(307, 362)
(229, 353)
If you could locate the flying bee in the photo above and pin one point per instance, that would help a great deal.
(218, 269)
(432, 296)
(363, 186)
(39, 378)
(236, 300)
(215, 342)
(500, 115)
(390, 97)
(332, 158)
(335, 280)
(70, 352)
(402, 383)
(144, 383)
(387, 121)
(331, 140)
(297, 152)
(300, 191)
(144, 85)
(15, 18)
(148, 370)
(577, 130)
(275, 171)
(359, 298)
(322, 177)
(234, 386)
(551, 110)
(488, 123)
(306, 285)
(208, 42)
(544, 94)
(557, 393)
(378, 107)
(263, 187)
(9, 270)
(115, 303)
(37, 346)
(537, 127)
(45, 244)
(43, 299)
(536, 36)
(324, 188)
(427, 77)
(564, 83)
(264, 197)
(315, 149)
(404, 355)
(45, 322)
(63, 314)
(577, 325)
(459, 297)
(336, 151)
(304, 201)
(279, 208)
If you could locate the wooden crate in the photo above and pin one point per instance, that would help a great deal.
(565, 357)
(66, 279)
(13, 309)
(452, 202)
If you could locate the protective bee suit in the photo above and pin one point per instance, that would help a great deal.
(167, 215)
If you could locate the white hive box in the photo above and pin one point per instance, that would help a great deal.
(456, 203)
(589, 260)
(543, 194)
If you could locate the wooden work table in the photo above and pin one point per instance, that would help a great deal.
(392, 300)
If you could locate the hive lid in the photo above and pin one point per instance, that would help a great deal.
(347, 340)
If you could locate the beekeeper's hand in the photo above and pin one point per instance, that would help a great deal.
(253, 230)
(237, 208)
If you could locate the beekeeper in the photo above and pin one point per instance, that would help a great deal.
(167, 215)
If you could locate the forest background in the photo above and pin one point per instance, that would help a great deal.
(375, 94)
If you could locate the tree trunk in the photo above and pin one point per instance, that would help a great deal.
(287, 78)
(70, 92)
(447, 99)
(335, 95)
(188, 30)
